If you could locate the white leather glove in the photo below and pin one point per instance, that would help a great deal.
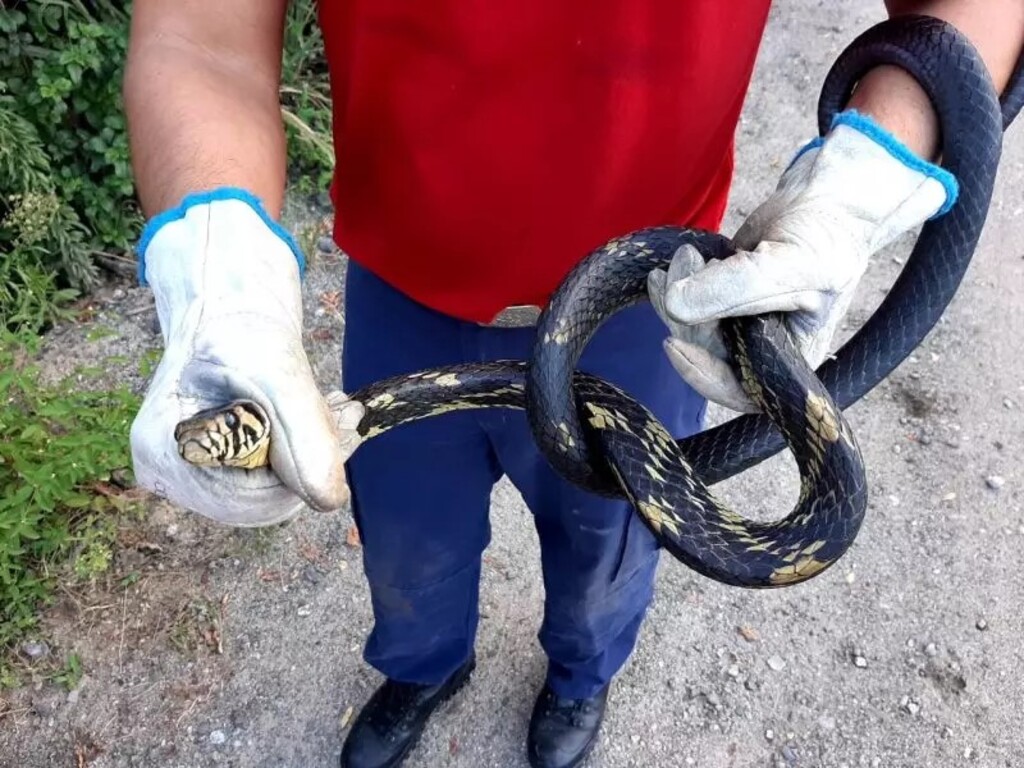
(803, 251)
(226, 282)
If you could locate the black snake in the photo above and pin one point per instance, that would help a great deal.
(600, 438)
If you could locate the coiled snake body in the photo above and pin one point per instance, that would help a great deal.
(602, 439)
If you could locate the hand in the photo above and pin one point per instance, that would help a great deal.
(226, 283)
(803, 251)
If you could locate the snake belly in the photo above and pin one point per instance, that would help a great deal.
(597, 436)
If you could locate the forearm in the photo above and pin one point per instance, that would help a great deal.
(198, 120)
(892, 96)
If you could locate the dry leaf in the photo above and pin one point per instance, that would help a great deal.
(322, 334)
(749, 634)
(352, 537)
(331, 300)
(311, 552)
(345, 718)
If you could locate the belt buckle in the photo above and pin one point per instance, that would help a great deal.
(516, 316)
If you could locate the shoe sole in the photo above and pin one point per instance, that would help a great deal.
(458, 685)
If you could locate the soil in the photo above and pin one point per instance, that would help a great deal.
(212, 646)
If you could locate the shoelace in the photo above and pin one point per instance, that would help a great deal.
(571, 714)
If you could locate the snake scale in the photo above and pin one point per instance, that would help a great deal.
(599, 437)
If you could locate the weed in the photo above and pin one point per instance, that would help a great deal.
(60, 448)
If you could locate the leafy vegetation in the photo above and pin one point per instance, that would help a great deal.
(64, 169)
(66, 188)
(64, 459)
(306, 100)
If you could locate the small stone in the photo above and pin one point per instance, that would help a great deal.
(217, 737)
(304, 610)
(981, 624)
(172, 530)
(776, 663)
(1007, 403)
(995, 482)
(312, 575)
(118, 294)
(851, 577)
(924, 440)
(894, 500)
(44, 707)
(952, 442)
(931, 650)
(35, 650)
(789, 754)
(968, 752)
(73, 696)
(733, 670)
(769, 734)
(998, 445)
(911, 706)
(325, 244)
(860, 661)
(635, 738)
(949, 496)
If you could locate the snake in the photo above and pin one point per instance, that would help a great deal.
(594, 434)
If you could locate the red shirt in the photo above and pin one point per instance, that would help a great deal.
(484, 147)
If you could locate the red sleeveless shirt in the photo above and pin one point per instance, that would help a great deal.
(484, 147)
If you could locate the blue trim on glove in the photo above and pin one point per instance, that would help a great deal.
(867, 126)
(814, 143)
(201, 198)
(897, 149)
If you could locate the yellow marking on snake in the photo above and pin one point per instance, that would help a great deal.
(380, 401)
(654, 473)
(822, 418)
(799, 571)
(657, 516)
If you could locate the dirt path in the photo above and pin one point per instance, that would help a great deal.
(243, 648)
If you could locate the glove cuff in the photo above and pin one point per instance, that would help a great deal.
(204, 198)
(871, 129)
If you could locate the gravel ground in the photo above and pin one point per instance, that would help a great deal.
(243, 648)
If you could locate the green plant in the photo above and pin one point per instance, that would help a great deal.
(70, 674)
(60, 446)
(306, 100)
(66, 186)
(66, 171)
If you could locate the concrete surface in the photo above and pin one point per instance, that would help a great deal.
(907, 654)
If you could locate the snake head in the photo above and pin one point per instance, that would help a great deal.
(232, 435)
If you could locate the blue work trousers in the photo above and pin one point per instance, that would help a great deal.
(421, 496)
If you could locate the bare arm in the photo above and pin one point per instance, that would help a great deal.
(893, 97)
(201, 97)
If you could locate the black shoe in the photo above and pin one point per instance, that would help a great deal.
(392, 720)
(563, 731)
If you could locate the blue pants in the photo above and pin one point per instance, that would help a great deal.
(421, 497)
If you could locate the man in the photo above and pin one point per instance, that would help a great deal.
(483, 148)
